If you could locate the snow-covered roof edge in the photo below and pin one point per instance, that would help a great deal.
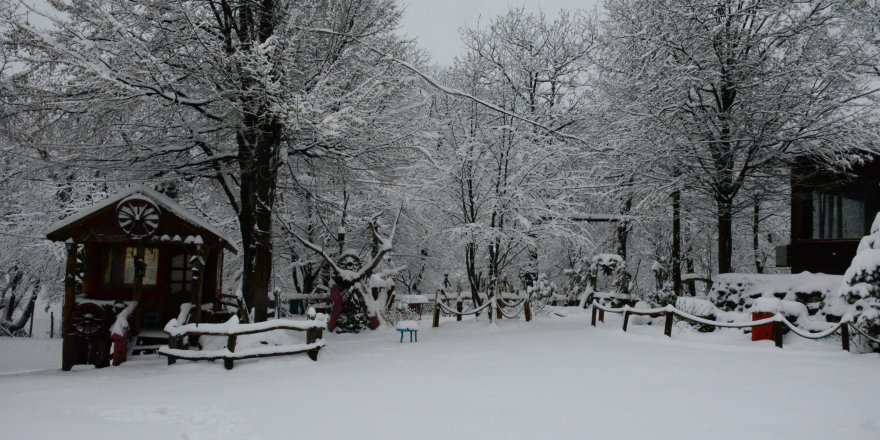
(162, 200)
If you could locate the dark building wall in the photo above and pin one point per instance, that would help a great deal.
(830, 212)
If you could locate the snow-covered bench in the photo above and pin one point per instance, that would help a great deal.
(411, 327)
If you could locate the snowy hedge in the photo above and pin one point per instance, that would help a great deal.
(737, 292)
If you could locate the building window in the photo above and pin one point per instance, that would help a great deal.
(181, 274)
(119, 267)
(837, 217)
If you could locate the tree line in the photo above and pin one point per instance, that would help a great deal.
(659, 130)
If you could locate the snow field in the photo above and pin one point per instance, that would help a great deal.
(552, 378)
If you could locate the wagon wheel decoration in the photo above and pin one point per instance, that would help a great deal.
(138, 216)
(88, 319)
(349, 262)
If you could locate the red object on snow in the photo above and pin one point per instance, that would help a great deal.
(762, 332)
(120, 349)
(336, 299)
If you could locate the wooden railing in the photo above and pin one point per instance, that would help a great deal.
(778, 321)
(178, 334)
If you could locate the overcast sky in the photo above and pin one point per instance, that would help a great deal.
(435, 23)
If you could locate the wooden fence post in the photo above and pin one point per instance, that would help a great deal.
(777, 333)
(602, 316)
(667, 330)
(436, 322)
(69, 347)
(51, 325)
(312, 335)
(593, 318)
(230, 346)
(458, 308)
(844, 335)
(527, 310)
(173, 342)
(625, 319)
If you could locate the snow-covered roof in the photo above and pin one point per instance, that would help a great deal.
(166, 203)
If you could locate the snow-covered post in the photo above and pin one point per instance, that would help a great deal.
(436, 321)
(313, 334)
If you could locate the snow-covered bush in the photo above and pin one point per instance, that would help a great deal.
(699, 307)
(736, 292)
(860, 293)
(542, 294)
(399, 312)
(578, 279)
(614, 266)
(661, 297)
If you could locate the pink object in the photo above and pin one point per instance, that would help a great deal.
(336, 300)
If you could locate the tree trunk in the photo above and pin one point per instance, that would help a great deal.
(258, 159)
(470, 255)
(756, 231)
(623, 228)
(725, 234)
(676, 242)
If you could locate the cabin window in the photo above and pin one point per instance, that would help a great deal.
(837, 217)
(119, 268)
(181, 274)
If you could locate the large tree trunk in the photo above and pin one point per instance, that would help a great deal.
(258, 159)
(725, 234)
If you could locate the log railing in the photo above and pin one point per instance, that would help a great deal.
(231, 329)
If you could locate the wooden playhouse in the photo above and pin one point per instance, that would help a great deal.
(132, 261)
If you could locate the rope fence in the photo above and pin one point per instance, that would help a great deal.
(778, 321)
(494, 304)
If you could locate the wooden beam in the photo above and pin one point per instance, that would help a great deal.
(68, 347)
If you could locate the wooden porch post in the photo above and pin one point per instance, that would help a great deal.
(68, 345)
(140, 270)
(197, 261)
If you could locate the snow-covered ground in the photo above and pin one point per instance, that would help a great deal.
(550, 379)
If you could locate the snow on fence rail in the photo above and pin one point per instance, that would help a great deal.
(175, 349)
(778, 321)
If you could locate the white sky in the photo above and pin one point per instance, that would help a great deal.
(435, 23)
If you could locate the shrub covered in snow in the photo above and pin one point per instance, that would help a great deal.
(860, 294)
(543, 293)
(614, 266)
(736, 292)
